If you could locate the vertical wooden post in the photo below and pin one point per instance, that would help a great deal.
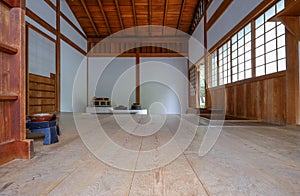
(197, 90)
(137, 75)
(292, 77)
(12, 84)
(27, 67)
(206, 64)
(57, 54)
(292, 80)
(253, 46)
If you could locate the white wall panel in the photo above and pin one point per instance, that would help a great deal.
(65, 9)
(33, 23)
(73, 35)
(41, 58)
(43, 10)
(113, 78)
(196, 44)
(164, 85)
(236, 12)
(212, 8)
(73, 67)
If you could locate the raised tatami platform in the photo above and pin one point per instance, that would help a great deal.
(245, 160)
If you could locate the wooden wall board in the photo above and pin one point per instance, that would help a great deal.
(42, 96)
(263, 99)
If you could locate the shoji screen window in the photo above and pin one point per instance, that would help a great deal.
(213, 70)
(224, 64)
(270, 49)
(241, 54)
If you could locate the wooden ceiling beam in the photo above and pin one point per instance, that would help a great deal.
(149, 15)
(119, 14)
(180, 14)
(89, 16)
(134, 12)
(192, 27)
(165, 15)
(166, 54)
(143, 39)
(104, 16)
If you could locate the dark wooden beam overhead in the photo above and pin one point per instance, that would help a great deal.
(134, 12)
(119, 14)
(180, 15)
(89, 16)
(149, 15)
(100, 18)
(104, 16)
(165, 15)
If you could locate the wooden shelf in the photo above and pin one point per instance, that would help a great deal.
(8, 97)
(8, 49)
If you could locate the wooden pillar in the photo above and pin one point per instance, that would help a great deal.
(57, 56)
(292, 80)
(137, 75)
(12, 84)
(291, 23)
(206, 60)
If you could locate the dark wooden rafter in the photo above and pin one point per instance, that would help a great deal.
(119, 14)
(165, 12)
(134, 12)
(180, 15)
(104, 16)
(165, 15)
(89, 16)
(149, 15)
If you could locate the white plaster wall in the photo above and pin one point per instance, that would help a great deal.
(32, 22)
(65, 9)
(164, 85)
(113, 78)
(41, 54)
(72, 63)
(73, 35)
(70, 58)
(237, 10)
(213, 7)
(43, 10)
(196, 44)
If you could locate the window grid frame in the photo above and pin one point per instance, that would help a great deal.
(252, 51)
(265, 42)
